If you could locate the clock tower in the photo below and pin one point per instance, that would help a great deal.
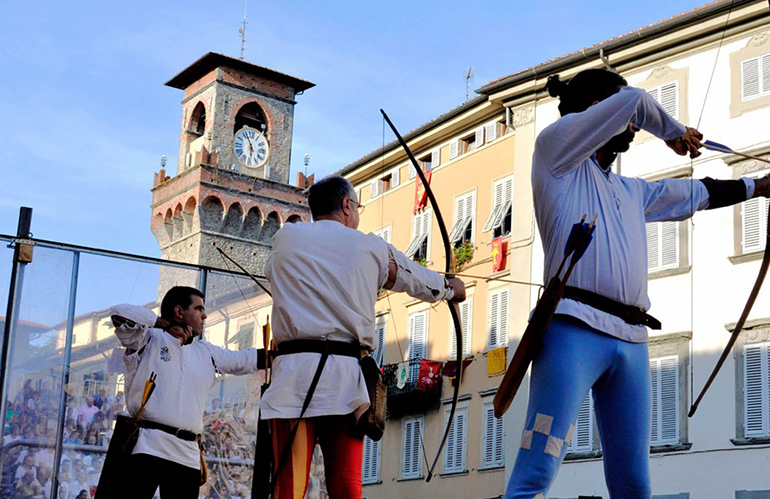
(231, 185)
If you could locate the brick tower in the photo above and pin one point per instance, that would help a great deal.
(231, 185)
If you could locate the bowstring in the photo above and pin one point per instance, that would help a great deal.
(243, 295)
(692, 197)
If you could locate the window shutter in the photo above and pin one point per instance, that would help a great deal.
(491, 131)
(417, 335)
(503, 331)
(465, 323)
(497, 207)
(753, 226)
(454, 452)
(435, 156)
(653, 238)
(750, 78)
(494, 320)
(669, 99)
(582, 437)
(412, 172)
(395, 178)
(371, 461)
(411, 448)
(664, 376)
(379, 353)
(386, 234)
(479, 139)
(508, 190)
(375, 188)
(492, 451)
(755, 389)
(765, 67)
(454, 149)
(669, 244)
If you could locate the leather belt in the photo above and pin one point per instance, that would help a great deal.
(177, 432)
(630, 314)
(323, 347)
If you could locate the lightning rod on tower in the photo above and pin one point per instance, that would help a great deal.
(468, 76)
(242, 30)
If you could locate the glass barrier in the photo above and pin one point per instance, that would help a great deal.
(64, 382)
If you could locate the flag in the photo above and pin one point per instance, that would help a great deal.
(498, 254)
(402, 375)
(430, 370)
(496, 362)
(450, 367)
(420, 194)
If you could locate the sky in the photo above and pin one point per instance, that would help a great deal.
(86, 116)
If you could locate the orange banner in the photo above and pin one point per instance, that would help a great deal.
(420, 194)
(498, 254)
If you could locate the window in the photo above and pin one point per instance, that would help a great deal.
(418, 341)
(462, 230)
(384, 233)
(498, 319)
(466, 321)
(370, 472)
(454, 149)
(455, 449)
(668, 97)
(379, 332)
(662, 246)
(411, 462)
(490, 131)
(244, 338)
(386, 183)
(754, 224)
(756, 406)
(492, 438)
(755, 77)
(472, 142)
(664, 374)
(427, 163)
(418, 248)
(583, 434)
(499, 220)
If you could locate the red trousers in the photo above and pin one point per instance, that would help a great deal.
(342, 446)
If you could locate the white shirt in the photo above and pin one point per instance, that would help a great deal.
(325, 279)
(567, 182)
(184, 376)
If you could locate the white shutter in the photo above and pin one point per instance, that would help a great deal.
(370, 472)
(492, 454)
(395, 178)
(375, 188)
(435, 157)
(466, 319)
(491, 131)
(454, 149)
(411, 464)
(653, 245)
(755, 390)
(412, 172)
(379, 353)
(664, 375)
(454, 452)
(669, 99)
(753, 215)
(498, 319)
(750, 78)
(479, 137)
(583, 434)
(669, 251)
(499, 200)
(417, 323)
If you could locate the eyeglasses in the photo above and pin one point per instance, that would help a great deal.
(359, 206)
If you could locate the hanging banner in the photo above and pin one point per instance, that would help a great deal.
(430, 370)
(496, 362)
(420, 194)
(402, 375)
(498, 254)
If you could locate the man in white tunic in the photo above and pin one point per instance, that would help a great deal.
(167, 453)
(325, 278)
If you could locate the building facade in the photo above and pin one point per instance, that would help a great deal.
(700, 271)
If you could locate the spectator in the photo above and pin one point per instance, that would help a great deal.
(28, 487)
(87, 411)
(13, 436)
(79, 485)
(27, 466)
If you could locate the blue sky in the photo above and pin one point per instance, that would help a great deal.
(86, 116)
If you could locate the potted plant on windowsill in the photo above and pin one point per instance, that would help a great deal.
(463, 255)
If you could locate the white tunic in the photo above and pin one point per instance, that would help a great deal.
(325, 279)
(567, 182)
(184, 376)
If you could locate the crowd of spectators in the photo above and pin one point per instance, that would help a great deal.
(29, 439)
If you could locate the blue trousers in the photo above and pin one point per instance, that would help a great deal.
(574, 359)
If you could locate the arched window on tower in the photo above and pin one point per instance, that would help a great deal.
(198, 119)
(251, 115)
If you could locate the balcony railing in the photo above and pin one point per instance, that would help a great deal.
(414, 387)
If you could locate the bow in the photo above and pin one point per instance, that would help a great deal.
(449, 272)
(741, 321)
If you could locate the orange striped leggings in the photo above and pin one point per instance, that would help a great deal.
(342, 446)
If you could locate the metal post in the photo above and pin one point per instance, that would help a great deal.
(65, 375)
(14, 300)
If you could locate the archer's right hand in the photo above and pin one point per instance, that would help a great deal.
(689, 142)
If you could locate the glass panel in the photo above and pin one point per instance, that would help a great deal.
(33, 374)
(233, 305)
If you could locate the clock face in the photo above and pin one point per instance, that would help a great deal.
(250, 147)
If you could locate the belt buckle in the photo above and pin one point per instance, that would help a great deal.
(177, 435)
